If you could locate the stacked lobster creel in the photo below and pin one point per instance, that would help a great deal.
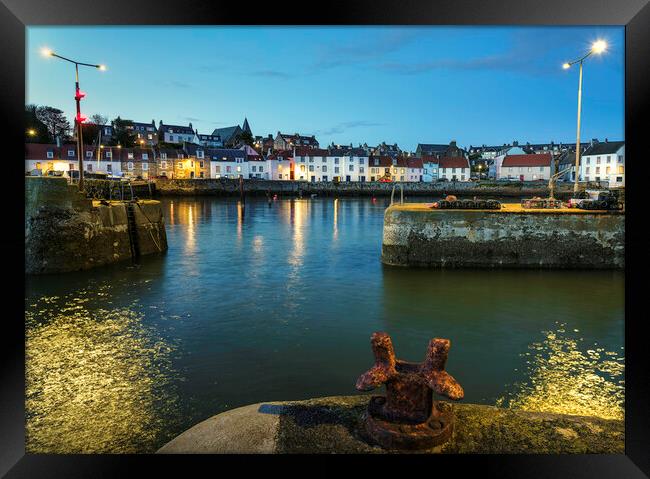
(451, 202)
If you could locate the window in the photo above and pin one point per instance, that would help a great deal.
(619, 179)
(361, 161)
(129, 166)
(587, 170)
(149, 136)
(109, 154)
(598, 160)
(620, 169)
(70, 166)
(280, 176)
(254, 168)
(163, 164)
(199, 154)
(228, 168)
(336, 161)
(109, 168)
(89, 154)
(217, 168)
(311, 160)
(311, 167)
(70, 152)
(129, 156)
(324, 167)
(180, 165)
(163, 156)
(323, 159)
(145, 156)
(620, 158)
(453, 170)
(50, 154)
(145, 166)
(336, 169)
(261, 169)
(588, 160)
(541, 168)
(351, 167)
(608, 170)
(597, 170)
(171, 138)
(239, 169)
(89, 166)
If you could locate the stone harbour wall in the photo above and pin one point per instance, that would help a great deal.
(334, 425)
(253, 187)
(64, 231)
(415, 235)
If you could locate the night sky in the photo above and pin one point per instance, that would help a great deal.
(477, 85)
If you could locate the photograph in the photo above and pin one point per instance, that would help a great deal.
(351, 239)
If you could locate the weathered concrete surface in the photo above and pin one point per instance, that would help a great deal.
(334, 425)
(230, 187)
(416, 235)
(64, 231)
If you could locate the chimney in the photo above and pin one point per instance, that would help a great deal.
(515, 143)
(452, 143)
(191, 128)
(605, 140)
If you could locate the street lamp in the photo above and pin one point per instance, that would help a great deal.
(79, 119)
(597, 47)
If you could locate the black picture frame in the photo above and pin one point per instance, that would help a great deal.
(16, 15)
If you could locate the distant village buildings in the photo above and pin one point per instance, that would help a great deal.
(181, 152)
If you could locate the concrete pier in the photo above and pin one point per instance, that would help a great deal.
(334, 425)
(64, 231)
(416, 235)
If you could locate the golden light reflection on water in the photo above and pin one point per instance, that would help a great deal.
(96, 381)
(296, 217)
(566, 377)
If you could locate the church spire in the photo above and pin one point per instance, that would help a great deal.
(246, 126)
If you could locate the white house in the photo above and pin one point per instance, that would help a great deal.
(604, 162)
(229, 163)
(495, 166)
(280, 166)
(49, 157)
(177, 134)
(348, 164)
(455, 168)
(312, 164)
(529, 167)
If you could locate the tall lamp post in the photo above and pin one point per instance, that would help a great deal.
(79, 119)
(597, 47)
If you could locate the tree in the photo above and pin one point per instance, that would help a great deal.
(92, 128)
(122, 135)
(55, 121)
(246, 138)
(35, 129)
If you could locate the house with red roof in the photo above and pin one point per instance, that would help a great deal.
(527, 167)
(454, 168)
(281, 166)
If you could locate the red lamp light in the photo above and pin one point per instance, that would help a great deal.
(80, 95)
(81, 118)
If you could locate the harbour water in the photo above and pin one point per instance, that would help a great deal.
(277, 301)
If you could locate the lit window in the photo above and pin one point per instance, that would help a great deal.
(145, 166)
(109, 154)
(145, 156)
(89, 154)
(129, 165)
(129, 156)
(50, 154)
(70, 152)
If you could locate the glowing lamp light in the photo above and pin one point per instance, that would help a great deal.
(80, 95)
(46, 52)
(102, 67)
(566, 66)
(599, 46)
(81, 118)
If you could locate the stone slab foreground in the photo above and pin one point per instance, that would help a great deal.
(334, 425)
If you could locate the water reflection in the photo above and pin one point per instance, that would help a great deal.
(565, 376)
(97, 380)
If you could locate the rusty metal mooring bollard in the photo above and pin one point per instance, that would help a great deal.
(408, 417)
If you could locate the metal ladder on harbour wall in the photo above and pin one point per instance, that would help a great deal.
(133, 231)
(401, 200)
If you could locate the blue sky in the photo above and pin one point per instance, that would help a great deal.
(345, 84)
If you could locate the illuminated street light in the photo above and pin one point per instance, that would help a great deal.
(79, 95)
(597, 47)
(31, 132)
